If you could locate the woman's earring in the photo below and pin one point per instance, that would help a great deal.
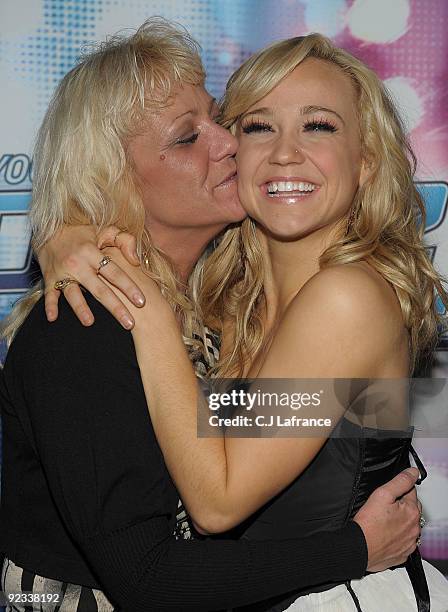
(350, 220)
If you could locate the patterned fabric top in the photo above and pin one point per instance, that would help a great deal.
(212, 342)
(184, 529)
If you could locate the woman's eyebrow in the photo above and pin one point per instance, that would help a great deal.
(308, 110)
(188, 112)
(263, 110)
(194, 111)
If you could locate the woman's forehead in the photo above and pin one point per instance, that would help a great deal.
(186, 100)
(314, 82)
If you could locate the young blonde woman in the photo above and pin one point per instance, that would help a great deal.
(88, 508)
(329, 278)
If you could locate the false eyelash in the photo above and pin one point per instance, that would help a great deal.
(316, 125)
(189, 140)
(255, 126)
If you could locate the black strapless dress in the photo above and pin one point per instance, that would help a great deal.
(348, 468)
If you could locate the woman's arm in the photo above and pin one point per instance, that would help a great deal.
(340, 325)
(78, 393)
(80, 397)
(74, 252)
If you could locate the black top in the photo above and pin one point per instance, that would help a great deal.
(348, 468)
(87, 499)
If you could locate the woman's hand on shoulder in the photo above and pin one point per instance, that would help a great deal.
(75, 253)
(156, 308)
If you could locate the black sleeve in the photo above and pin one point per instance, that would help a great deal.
(107, 476)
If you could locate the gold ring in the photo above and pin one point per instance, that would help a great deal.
(106, 259)
(60, 285)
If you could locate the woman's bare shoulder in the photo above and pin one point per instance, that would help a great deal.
(354, 288)
(348, 316)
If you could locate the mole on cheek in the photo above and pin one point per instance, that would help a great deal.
(162, 157)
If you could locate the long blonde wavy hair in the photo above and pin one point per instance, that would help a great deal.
(82, 171)
(386, 220)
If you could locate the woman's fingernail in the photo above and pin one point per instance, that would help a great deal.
(87, 320)
(127, 322)
(139, 299)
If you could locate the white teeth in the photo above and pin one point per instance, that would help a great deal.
(287, 186)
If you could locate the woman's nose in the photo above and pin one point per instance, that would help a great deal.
(286, 151)
(224, 143)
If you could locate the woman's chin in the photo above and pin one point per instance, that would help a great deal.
(284, 232)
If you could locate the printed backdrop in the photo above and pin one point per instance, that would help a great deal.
(405, 41)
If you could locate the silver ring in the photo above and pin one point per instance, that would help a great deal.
(106, 259)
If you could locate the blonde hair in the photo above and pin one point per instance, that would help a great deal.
(385, 226)
(82, 171)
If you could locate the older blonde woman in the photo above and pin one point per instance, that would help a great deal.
(329, 279)
(88, 508)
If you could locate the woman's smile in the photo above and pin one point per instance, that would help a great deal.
(288, 190)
